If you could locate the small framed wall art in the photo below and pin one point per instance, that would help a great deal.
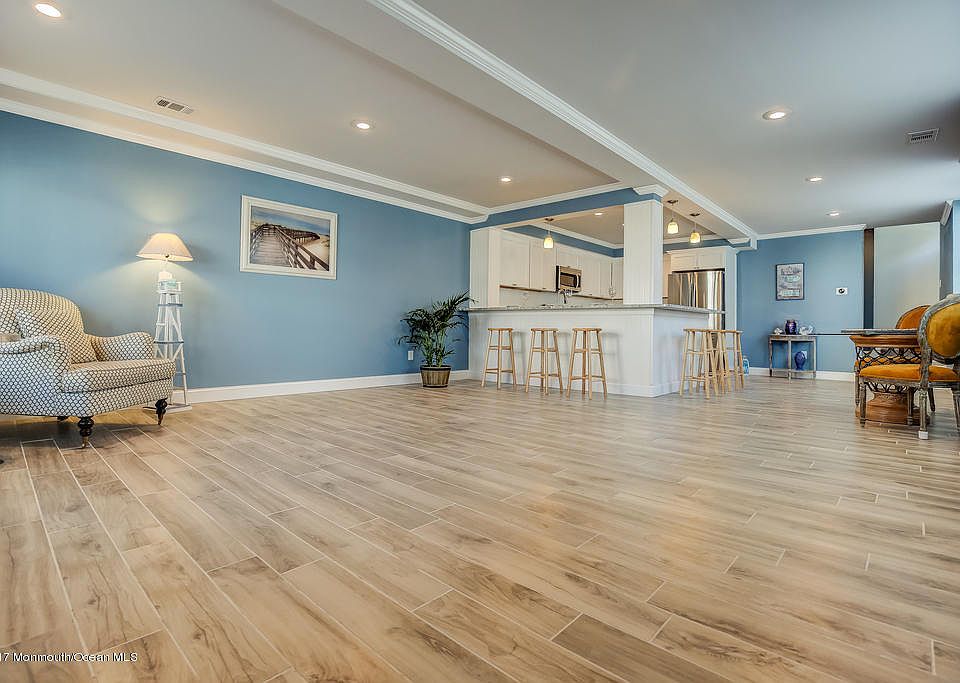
(789, 281)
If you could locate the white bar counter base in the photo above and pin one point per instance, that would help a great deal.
(642, 343)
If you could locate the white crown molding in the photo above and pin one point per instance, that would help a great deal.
(658, 190)
(241, 391)
(563, 196)
(218, 157)
(576, 235)
(444, 35)
(66, 94)
(812, 231)
(947, 208)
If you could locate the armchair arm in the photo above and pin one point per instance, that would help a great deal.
(130, 346)
(43, 356)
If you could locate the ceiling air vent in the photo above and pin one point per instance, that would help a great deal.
(167, 103)
(920, 136)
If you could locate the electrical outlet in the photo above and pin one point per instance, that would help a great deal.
(842, 291)
(410, 354)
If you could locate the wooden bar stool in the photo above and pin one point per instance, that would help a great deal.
(722, 370)
(543, 349)
(586, 351)
(733, 357)
(499, 347)
(701, 361)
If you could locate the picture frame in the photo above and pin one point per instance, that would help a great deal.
(789, 281)
(285, 239)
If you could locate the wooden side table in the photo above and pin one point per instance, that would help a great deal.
(789, 340)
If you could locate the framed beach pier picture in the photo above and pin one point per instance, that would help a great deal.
(789, 281)
(283, 239)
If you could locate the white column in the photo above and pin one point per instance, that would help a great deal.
(643, 252)
(485, 267)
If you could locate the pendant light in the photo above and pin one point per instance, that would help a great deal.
(672, 227)
(548, 241)
(695, 235)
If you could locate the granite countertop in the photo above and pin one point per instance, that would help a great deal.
(594, 308)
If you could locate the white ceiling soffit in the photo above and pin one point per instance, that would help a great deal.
(428, 25)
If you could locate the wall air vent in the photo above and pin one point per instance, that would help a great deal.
(167, 103)
(921, 136)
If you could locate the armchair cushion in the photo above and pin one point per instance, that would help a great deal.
(52, 322)
(909, 372)
(101, 375)
(132, 346)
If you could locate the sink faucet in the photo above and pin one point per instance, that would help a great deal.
(563, 293)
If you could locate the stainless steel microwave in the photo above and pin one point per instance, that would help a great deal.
(568, 279)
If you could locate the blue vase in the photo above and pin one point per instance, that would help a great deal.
(799, 360)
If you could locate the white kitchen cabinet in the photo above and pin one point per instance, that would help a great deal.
(616, 278)
(514, 261)
(568, 256)
(543, 267)
(590, 275)
(684, 260)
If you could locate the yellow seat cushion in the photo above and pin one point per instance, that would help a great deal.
(909, 371)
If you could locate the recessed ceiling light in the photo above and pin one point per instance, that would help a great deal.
(695, 214)
(598, 213)
(360, 124)
(506, 179)
(776, 114)
(48, 10)
(833, 214)
(815, 179)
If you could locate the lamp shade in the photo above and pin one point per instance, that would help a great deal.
(165, 246)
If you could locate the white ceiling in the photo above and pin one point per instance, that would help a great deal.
(276, 84)
(686, 81)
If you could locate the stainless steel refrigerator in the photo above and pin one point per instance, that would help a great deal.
(700, 288)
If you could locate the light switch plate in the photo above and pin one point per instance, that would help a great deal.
(842, 291)
(410, 354)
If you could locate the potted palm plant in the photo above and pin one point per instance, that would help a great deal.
(427, 332)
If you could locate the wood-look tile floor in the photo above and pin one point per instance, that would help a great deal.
(407, 534)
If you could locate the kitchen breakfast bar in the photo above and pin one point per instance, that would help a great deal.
(642, 343)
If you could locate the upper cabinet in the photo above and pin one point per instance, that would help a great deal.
(543, 267)
(706, 258)
(616, 278)
(525, 264)
(514, 260)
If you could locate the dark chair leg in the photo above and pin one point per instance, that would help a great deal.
(161, 409)
(86, 429)
(933, 404)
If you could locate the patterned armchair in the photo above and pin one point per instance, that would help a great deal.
(49, 366)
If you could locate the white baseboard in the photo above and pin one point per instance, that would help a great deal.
(821, 374)
(307, 387)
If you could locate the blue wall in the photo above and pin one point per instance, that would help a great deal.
(830, 261)
(76, 207)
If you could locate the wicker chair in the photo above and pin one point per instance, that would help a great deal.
(939, 336)
(50, 367)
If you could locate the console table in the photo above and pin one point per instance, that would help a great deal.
(789, 340)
